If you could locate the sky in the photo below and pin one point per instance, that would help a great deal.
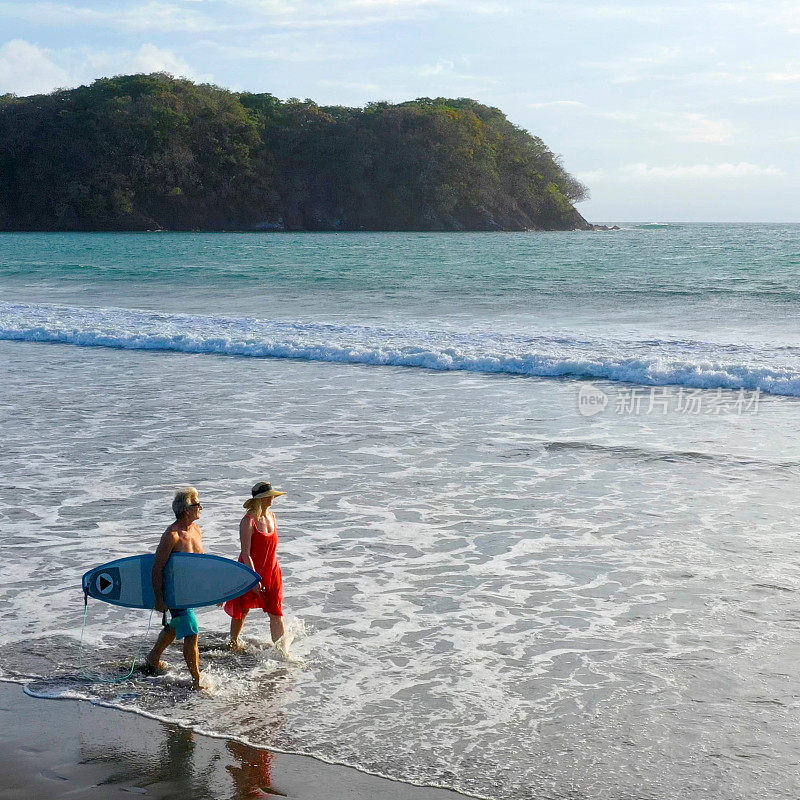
(679, 111)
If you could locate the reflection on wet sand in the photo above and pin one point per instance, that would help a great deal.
(253, 772)
(171, 761)
(176, 763)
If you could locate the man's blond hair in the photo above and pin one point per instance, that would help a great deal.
(183, 499)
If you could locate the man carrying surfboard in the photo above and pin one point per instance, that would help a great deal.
(183, 536)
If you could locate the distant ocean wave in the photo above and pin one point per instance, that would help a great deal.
(659, 454)
(652, 362)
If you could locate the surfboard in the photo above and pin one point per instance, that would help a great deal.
(191, 580)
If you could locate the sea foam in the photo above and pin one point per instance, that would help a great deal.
(650, 362)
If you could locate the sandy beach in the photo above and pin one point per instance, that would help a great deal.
(69, 749)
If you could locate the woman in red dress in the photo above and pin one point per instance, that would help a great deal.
(258, 533)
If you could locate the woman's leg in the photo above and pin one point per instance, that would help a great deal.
(276, 628)
(236, 628)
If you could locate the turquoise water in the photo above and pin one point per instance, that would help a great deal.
(744, 265)
(539, 538)
(701, 306)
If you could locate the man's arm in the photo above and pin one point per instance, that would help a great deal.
(163, 552)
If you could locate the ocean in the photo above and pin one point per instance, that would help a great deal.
(539, 538)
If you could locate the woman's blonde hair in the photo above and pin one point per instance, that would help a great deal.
(257, 506)
(183, 499)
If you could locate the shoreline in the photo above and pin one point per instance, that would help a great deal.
(72, 748)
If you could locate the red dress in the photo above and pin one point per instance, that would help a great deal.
(263, 551)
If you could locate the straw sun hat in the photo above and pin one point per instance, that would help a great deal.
(263, 489)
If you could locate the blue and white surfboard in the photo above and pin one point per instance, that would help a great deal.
(191, 580)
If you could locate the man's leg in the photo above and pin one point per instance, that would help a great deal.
(191, 652)
(236, 629)
(165, 639)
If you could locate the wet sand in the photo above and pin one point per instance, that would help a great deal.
(52, 749)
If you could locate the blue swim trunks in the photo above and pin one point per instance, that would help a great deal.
(184, 622)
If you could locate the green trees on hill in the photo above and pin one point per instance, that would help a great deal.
(150, 151)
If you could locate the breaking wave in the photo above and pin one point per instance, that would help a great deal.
(651, 362)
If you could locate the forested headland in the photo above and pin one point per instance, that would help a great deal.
(142, 152)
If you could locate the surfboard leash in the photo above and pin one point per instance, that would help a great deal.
(97, 678)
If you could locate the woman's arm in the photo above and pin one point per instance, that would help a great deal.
(246, 538)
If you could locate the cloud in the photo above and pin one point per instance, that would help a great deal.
(637, 12)
(786, 17)
(743, 169)
(447, 69)
(148, 58)
(439, 68)
(243, 15)
(694, 127)
(153, 15)
(648, 64)
(558, 104)
(760, 100)
(719, 77)
(784, 77)
(393, 8)
(591, 175)
(384, 5)
(28, 69)
(295, 47)
(689, 127)
(490, 8)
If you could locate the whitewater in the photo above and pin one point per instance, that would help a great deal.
(653, 362)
